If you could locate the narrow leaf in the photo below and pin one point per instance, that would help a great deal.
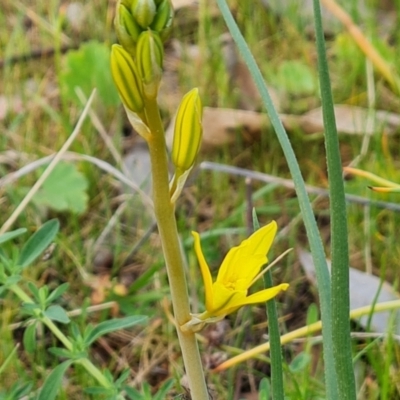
(29, 338)
(264, 390)
(5, 237)
(114, 325)
(58, 292)
(34, 290)
(164, 389)
(38, 242)
(53, 382)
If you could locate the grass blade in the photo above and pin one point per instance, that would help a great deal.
(314, 237)
(340, 252)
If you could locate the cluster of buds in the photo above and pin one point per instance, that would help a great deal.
(136, 16)
(136, 66)
(141, 27)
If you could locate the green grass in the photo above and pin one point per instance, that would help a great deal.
(214, 201)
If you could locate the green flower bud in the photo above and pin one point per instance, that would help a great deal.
(127, 29)
(162, 22)
(149, 57)
(144, 12)
(127, 79)
(188, 131)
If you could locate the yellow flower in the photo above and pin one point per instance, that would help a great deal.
(238, 272)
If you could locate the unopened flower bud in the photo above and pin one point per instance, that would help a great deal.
(149, 57)
(144, 12)
(127, 29)
(188, 131)
(162, 22)
(126, 78)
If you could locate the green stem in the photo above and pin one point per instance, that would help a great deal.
(340, 297)
(165, 215)
(86, 363)
(278, 392)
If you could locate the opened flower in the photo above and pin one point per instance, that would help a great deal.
(239, 270)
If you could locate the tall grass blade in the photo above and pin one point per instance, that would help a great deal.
(314, 237)
(339, 243)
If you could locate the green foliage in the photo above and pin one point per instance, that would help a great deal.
(38, 303)
(296, 78)
(111, 326)
(264, 389)
(88, 68)
(38, 243)
(5, 237)
(145, 393)
(17, 391)
(53, 382)
(64, 190)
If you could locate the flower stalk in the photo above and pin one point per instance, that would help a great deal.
(165, 214)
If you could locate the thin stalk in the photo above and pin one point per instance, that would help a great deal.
(278, 391)
(313, 235)
(165, 215)
(86, 363)
(340, 292)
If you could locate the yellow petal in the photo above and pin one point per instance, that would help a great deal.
(260, 241)
(224, 298)
(205, 271)
(264, 295)
(242, 263)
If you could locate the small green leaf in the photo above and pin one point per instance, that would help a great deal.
(57, 313)
(164, 389)
(5, 237)
(97, 390)
(12, 280)
(64, 190)
(29, 338)
(300, 362)
(34, 290)
(312, 314)
(58, 292)
(123, 377)
(133, 394)
(296, 78)
(146, 391)
(30, 308)
(17, 391)
(38, 242)
(61, 352)
(113, 325)
(53, 382)
(264, 389)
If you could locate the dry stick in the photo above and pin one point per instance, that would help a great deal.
(69, 155)
(363, 43)
(288, 183)
(304, 331)
(103, 134)
(49, 169)
(72, 313)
